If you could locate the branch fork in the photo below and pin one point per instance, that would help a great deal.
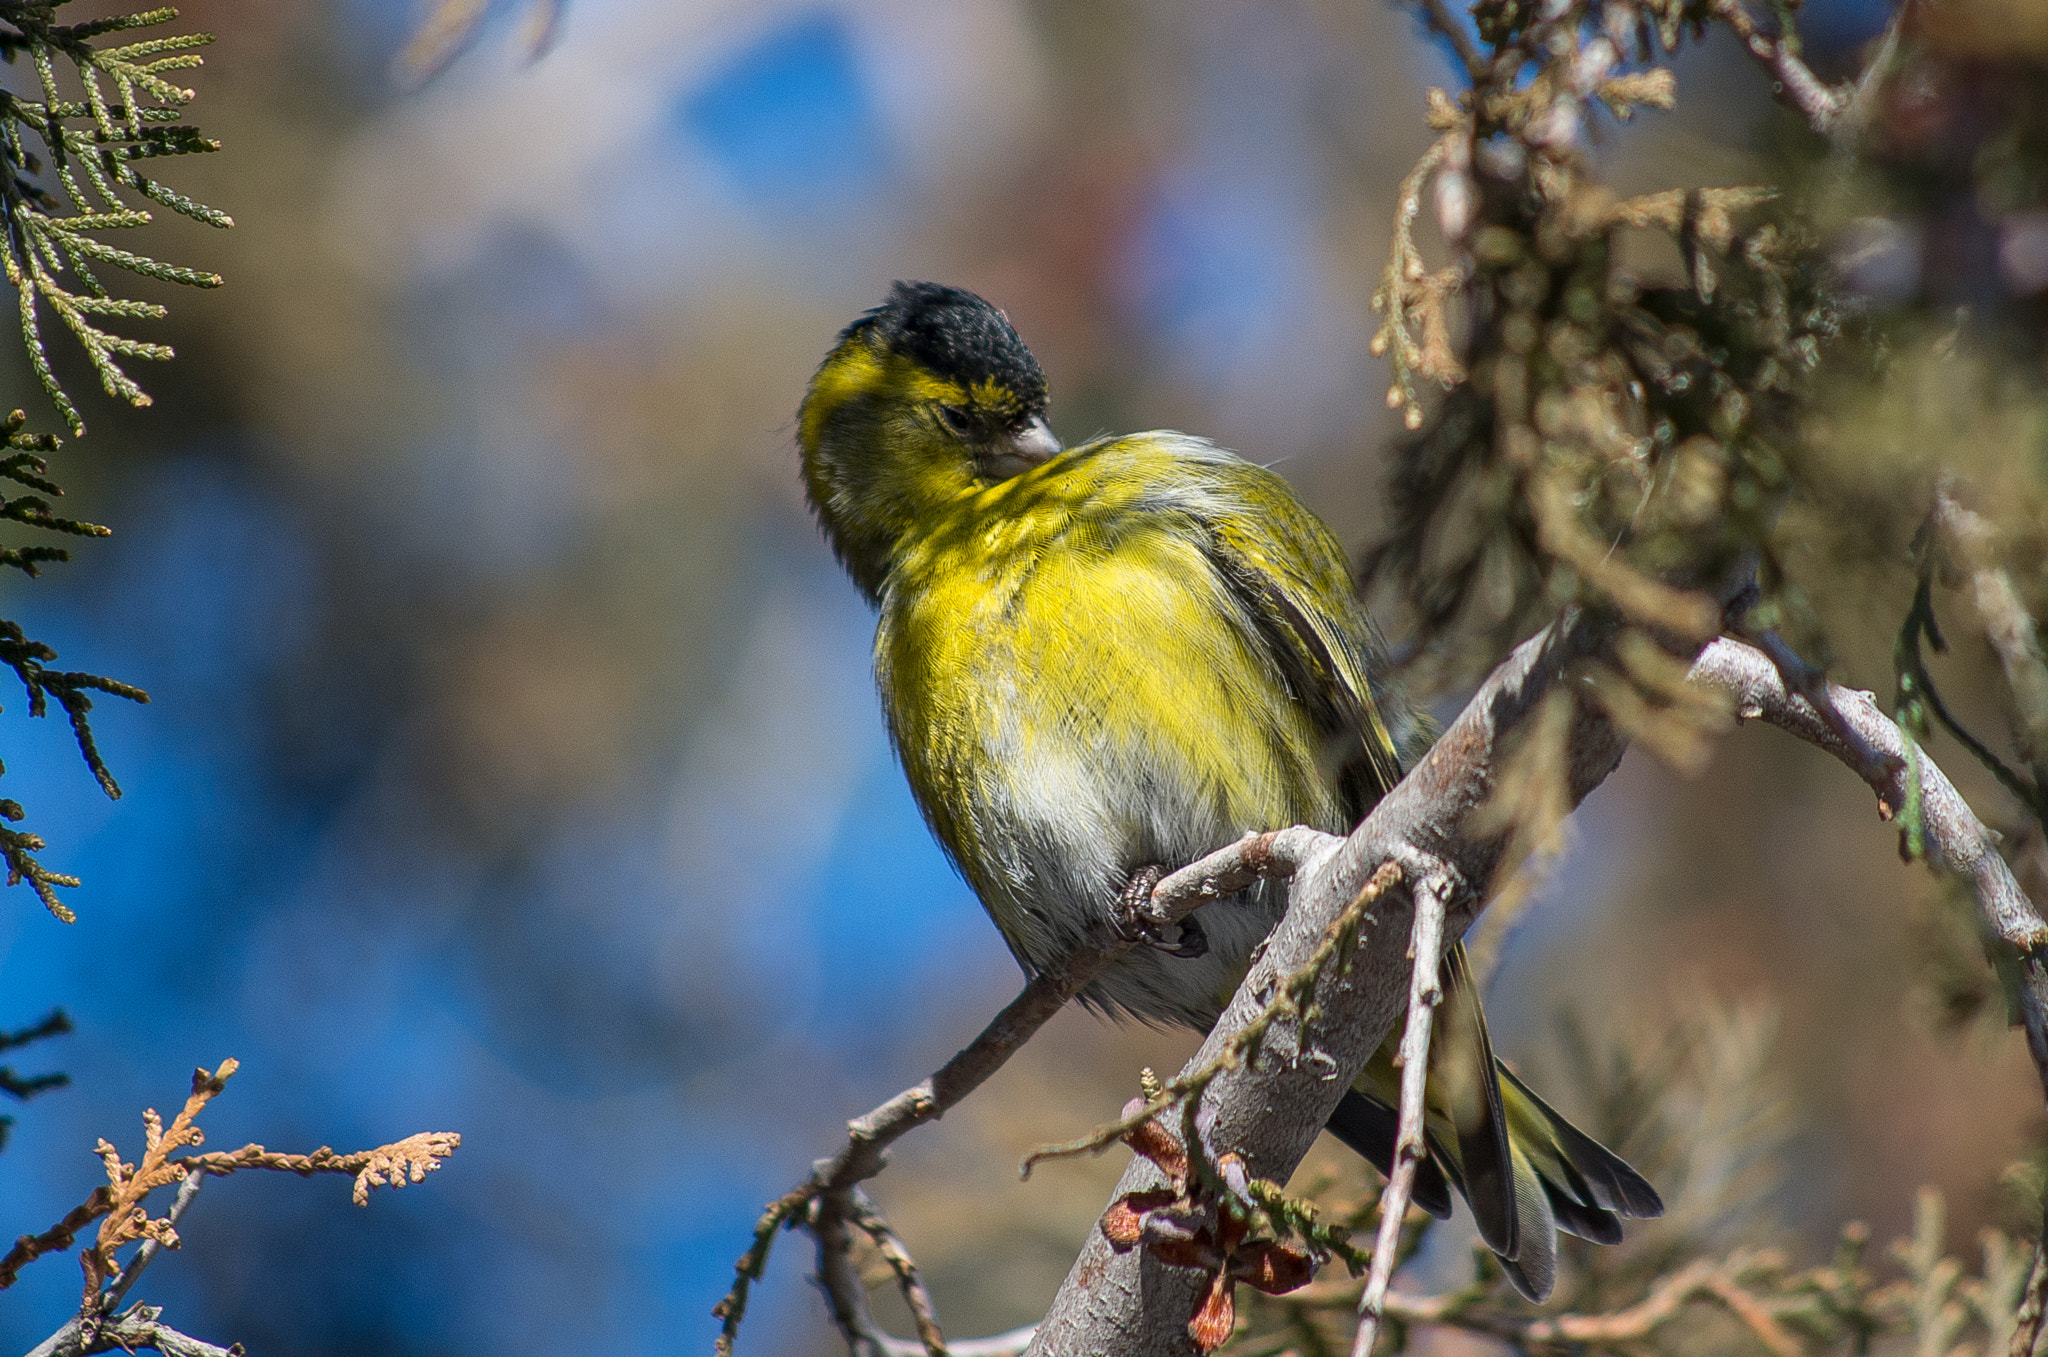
(1251, 1119)
(829, 1201)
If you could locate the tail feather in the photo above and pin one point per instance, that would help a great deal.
(1575, 1217)
(1534, 1269)
(1464, 1093)
(1367, 1126)
(1525, 1171)
(1562, 1152)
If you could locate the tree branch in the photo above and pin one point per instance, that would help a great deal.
(1956, 841)
(1837, 112)
(826, 1201)
(1817, 101)
(1811, 685)
(1269, 1110)
(139, 1327)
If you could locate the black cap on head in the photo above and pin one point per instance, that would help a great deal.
(957, 334)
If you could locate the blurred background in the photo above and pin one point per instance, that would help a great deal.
(514, 766)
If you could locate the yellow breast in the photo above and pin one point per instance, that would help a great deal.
(1075, 693)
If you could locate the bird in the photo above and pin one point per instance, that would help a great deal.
(1103, 662)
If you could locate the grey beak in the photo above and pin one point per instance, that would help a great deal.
(1035, 442)
(1015, 453)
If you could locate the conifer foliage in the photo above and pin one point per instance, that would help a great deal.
(101, 103)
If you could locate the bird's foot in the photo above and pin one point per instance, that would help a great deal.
(1133, 923)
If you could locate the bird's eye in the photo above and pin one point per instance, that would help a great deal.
(955, 419)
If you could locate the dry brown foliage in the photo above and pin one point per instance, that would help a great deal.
(120, 1205)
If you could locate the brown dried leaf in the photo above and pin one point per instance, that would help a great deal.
(1123, 1223)
(1654, 88)
(406, 1160)
(1273, 1267)
(1151, 1140)
(1216, 1317)
(1197, 1250)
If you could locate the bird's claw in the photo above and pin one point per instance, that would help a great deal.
(1135, 925)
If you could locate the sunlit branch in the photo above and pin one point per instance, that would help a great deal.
(1268, 1111)
(1820, 103)
(1425, 992)
(1955, 840)
(826, 1201)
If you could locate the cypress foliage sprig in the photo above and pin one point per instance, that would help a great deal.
(124, 111)
(71, 174)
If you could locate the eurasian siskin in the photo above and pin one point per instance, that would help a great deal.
(1104, 661)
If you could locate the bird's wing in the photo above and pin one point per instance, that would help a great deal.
(1291, 577)
(1525, 1170)
(1292, 581)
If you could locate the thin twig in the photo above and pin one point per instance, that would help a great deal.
(110, 1299)
(1818, 102)
(30, 1247)
(840, 1280)
(1955, 840)
(847, 1293)
(1456, 1310)
(2007, 624)
(1758, 1320)
(1638, 1321)
(1274, 855)
(1703, 1279)
(1425, 992)
(821, 1203)
(922, 1311)
(1287, 1002)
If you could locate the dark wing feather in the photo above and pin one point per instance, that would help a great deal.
(1291, 580)
(1290, 577)
(1462, 1076)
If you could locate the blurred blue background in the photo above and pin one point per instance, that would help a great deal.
(514, 766)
